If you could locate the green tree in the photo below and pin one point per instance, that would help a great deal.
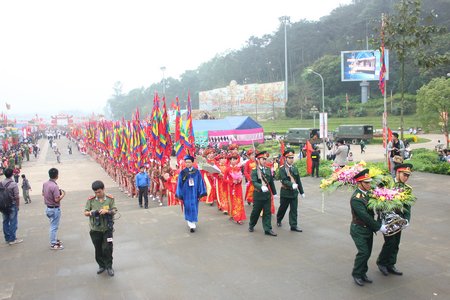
(433, 104)
(406, 35)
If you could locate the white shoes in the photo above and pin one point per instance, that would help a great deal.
(17, 241)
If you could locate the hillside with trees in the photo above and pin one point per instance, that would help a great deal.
(311, 44)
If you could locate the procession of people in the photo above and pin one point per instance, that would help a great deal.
(229, 180)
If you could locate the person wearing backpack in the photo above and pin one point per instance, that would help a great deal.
(10, 196)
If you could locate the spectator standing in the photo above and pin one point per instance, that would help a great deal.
(315, 157)
(10, 217)
(100, 209)
(26, 188)
(58, 156)
(341, 152)
(350, 157)
(395, 148)
(142, 183)
(52, 199)
(16, 173)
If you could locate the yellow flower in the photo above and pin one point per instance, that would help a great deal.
(362, 163)
(324, 183)
(374, 171)
(382, 198)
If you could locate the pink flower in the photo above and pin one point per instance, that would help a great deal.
(236, 176)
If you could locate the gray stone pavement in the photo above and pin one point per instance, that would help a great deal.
(155, 257)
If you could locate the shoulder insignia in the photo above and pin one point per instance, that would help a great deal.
(358, 195)
(91, 197)
(110, 196)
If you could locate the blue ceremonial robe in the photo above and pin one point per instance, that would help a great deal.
(190, 194)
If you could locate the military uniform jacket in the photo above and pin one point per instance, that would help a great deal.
(94, 204)
(406, 212)
(360, 214)
(259, 195)
(286, 182)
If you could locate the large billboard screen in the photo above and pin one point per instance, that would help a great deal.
(362, 65)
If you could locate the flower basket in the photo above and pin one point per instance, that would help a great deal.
(385, 199)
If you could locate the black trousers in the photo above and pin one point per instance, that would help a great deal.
(103, 248)
(315, 166)
(143, 191)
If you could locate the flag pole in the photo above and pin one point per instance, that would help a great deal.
(383, 85)
(385, 126)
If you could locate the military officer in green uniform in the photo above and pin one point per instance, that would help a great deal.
(388, 256)
(100, 209)
(264, 189)
(362, 227)
(291, 185)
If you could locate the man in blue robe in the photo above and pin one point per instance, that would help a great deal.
(190, 188)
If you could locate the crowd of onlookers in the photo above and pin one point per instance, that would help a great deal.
(444, 154)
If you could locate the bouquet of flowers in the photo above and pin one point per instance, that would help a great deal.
(342, 177)
(390, 199)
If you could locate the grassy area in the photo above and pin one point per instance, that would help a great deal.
(425, 160)
(280, 126)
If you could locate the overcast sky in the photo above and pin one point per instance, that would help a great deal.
(66, 55)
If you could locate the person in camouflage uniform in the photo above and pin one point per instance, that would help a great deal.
(100, 209)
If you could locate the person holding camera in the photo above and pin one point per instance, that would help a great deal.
(396, 147)
(52, 199)
(100, 209)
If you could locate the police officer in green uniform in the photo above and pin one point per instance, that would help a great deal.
(100, 209)
(362, 227)
(388, 256)
(291, 185)
(264, 189)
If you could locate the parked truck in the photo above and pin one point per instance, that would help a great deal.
(299, 136)
(354, 133)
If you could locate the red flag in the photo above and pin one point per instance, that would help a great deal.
(309, 149)
(282, 147)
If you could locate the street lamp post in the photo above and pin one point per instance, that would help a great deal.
(314, 111)
(163, 69)
(323, 110)
(285, 20)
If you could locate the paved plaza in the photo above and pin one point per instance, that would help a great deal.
(155, 257)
